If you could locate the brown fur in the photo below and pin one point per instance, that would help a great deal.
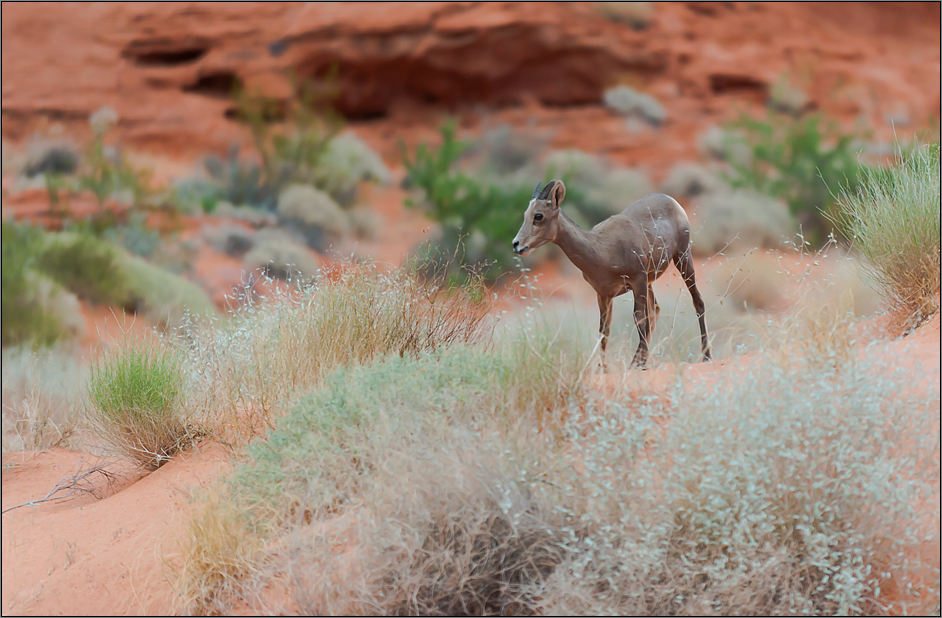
(627, 251)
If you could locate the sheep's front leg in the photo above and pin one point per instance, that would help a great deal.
(605, 325)
(642, 321)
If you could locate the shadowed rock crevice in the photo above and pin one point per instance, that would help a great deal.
(165, 52)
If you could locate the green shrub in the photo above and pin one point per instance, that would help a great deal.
(892, 217)
(464, 206)
(138, 397)
(479, 215)
(86, 266)
(801, 162)
(163, 297)
(25, 319)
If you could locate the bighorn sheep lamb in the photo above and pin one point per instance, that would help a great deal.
(627, 251)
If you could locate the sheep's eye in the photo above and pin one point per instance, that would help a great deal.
(538, 216)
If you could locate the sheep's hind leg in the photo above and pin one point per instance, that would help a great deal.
(605, 326)
(642, 321)
(685, 266)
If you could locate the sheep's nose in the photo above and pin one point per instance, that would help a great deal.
(516, 244)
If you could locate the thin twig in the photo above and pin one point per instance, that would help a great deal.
(73, 482)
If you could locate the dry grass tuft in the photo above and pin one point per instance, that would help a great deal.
(894, 220)
(284, 344)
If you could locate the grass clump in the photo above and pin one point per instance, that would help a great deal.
(278, 346)
(138, 402)
(893, 219)
(41, 398)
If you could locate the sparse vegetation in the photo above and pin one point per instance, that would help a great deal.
(42, 392)
(802, 161)
(273, 349)
(453, 489)
(892, 217)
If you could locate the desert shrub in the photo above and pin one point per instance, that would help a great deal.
(231, 239)
(315, 214)
(619, 188)
(138, 402)
(503, 150)
(86, 266)
(465, 206)
(391, 442)
(725, 144)
(638, 15)
(278, 255)
(892, 216)
(41, 398)
(365, 222)
(754, 501)
(689, 180)
(135, 236)
(26, 320)
(193, 194)
(787, 98)
(431, 485)
(346, 162)
(629, 102)
(599, 188)
(238, 182)
(255, 217)
(276, 346)
(163, 297)
(801, 162)
(739, 219)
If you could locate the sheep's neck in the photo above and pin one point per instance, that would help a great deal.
(578, 244)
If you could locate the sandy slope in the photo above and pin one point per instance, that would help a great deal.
(85, 556)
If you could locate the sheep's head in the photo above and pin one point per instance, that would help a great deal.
(541, 220)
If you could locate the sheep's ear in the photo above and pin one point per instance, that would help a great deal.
(558, 193)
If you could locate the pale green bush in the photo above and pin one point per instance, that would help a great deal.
(280, 257)
(688, 180)
(346, 162)
(315, 214)
(740, 220)
(629, 102)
